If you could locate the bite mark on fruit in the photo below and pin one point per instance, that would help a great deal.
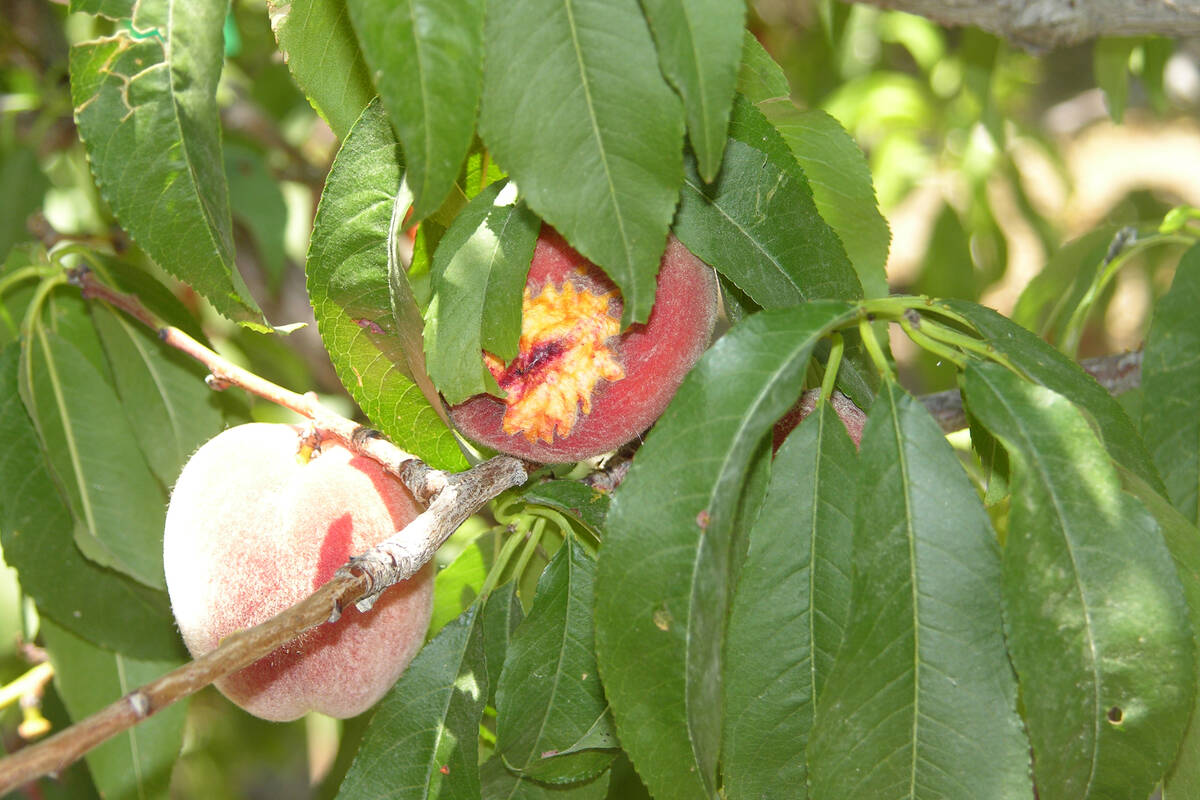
(564, 354)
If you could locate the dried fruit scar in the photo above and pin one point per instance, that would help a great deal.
(580, 387)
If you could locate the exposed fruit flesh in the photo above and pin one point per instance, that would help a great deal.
(564, 353)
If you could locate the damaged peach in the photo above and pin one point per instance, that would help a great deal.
(580, 387)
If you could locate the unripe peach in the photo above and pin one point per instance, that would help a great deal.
(579, 386)
(253, 528)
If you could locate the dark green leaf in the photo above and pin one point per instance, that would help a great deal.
(792, 603)
(1055, 371)
(118, 504)
(146, 110)
(478, 277)
(348, 286)
(921, 700)
(759, 77)
(1156, 53)
(588, 505)
(136, 763)
(1097, 622)
(423, 739)
(1171, 376)
(37, 535)
(318, 44)
(758, 224)
(565, 86)
(549, 697)
(699, 48)
(841, 185)
(170, 410)
(427, 59)
(500, 783)
(501, 615)
(664, 578)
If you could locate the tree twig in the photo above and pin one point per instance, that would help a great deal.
(450, 499)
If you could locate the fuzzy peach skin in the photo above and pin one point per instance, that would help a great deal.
(580, 387)
(252, 529)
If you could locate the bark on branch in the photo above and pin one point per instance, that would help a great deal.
(1044, 24)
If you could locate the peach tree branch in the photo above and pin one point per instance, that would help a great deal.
(449, 499)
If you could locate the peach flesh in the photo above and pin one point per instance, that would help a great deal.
(251, 530)
(599, 389)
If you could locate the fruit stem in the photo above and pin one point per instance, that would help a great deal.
(837, 346)
(872, 345)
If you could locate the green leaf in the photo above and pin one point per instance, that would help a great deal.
(583, 502)
(759, 77)
(118, 504)
(792, 603)
(258, 204)
(113, 9)
(37, 535)
(457, 586)
(170, 410)
(921, 700)
(348, 285)
(699, 50)
(502, 614)
(1171, 376)
(565, 86)
(427, 59)
(550, 697)
(500, 783)
(663, 584)
(19, 167)
(318, 44)
(137, 762)
(1097, 622)
(423, 739)
(478, 277)
(1047, 300)
(841, 186)
(1183, 540)
(146, 110)
(758, 224)
(1110, 65)
(1056, 372)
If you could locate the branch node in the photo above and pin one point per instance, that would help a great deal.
(362, 433)
(217, 384)
(140, 704)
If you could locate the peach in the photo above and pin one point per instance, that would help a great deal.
(253, 527)
(853, 418)
(580, 387)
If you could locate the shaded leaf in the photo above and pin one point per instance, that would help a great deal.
(457, 586)
(588, 505)
(663, 585)
(119, 506)
(348, 285)
(1055, 371)
(758, 224)
(137, 762)
(699, 49)
(500, 783)
(1110, 66)
(427, 59)
(794, 593)
(147, 113)
(564, 85)
(502, 614)
(549, 697)
(477, 278)
(171, 411)
(921, 700)
(37, 535)
(258, 204)
(423, 739)
(759, 77)
(1171, 375)
(1097, 621)
(318, 44)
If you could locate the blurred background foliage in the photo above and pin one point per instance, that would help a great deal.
(987, 160)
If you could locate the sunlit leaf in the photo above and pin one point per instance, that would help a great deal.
(566, 85)
(1097, 623)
